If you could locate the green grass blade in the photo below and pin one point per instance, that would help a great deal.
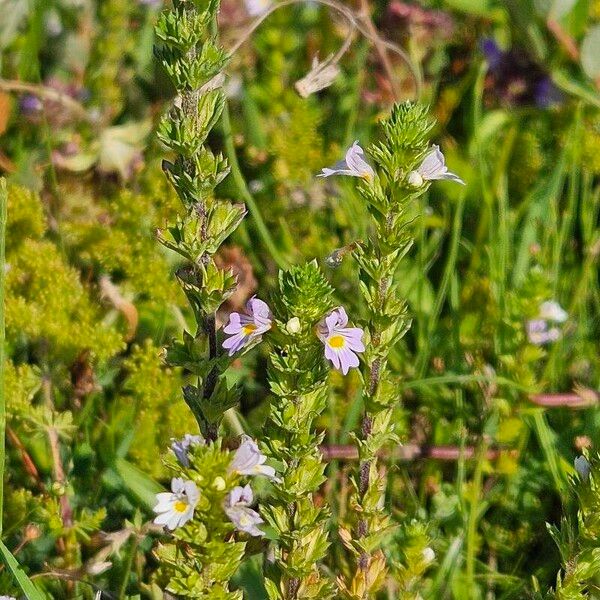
(3, 217)
(27, 587)
(144, 488)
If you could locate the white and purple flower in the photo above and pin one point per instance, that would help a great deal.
(353, 165)
(544, 328)
(246, 327)
(249, 460)
(553, 311)
(176, 508)
(256, 8)
(182, 447)
(432, 168)
(341, 342)
(237, 508)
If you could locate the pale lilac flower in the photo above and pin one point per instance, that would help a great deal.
(176, 508)
(433, 167)
(539, 333)
(583, 467)
(249, 460)
(553, 311)
(540, 330)
(353, 165)
(181, 447)
(243, 328)
(237, 508)
(341, 342)
(256, 8)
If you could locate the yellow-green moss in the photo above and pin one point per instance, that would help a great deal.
(161, 412)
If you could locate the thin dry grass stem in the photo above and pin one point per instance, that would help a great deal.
(46, 93)
(358, 22)
(410, 452)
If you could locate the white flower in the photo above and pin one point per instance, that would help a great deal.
(353, 165)
(249, 460)
(433, 167)
(7, 598)
(255, 8)
(539, 330)
(553, 311)
(320, 76)
(428, 555)
(177, 508)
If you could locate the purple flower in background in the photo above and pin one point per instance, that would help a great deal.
(30, 105)
(493, 54)
(539, 333)
(543, 329)
(249, 460)
(583, 467)
(243, 328)
(516, 79)
(237, 508)
(341, 342)
(432, 168)
(181, 447)
(353, 165)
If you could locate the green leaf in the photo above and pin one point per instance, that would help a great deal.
(140, 485)
(26, 585)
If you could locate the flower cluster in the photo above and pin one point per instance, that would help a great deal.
(432, 168)
(545, 329)
(175, 508)
(341, 343)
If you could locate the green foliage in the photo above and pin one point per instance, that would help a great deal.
(111, 48)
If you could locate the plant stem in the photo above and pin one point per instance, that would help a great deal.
(473, 516)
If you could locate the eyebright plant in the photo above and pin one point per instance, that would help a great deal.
(206, 503)
(405, 165)
(298, 376)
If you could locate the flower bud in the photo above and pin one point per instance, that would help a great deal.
(219, 484)
(428, 555)
(415, 179)
(583, 467)
(293, 326)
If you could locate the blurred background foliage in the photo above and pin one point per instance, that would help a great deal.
(91, 297)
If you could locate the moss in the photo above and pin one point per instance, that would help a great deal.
(160, 411)
(47, 304)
